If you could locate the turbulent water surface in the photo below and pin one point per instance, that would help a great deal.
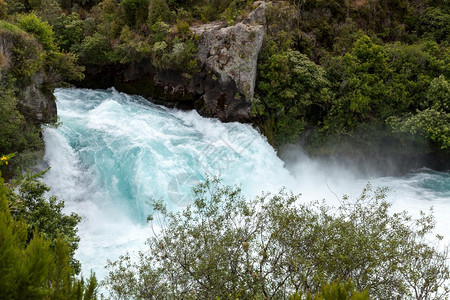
(113, 152)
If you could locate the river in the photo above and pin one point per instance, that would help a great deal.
(113, 152)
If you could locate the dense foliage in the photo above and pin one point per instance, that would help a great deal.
(27, 202)
(15, 133)
(380, 58)
(274, 246)
(30, 58)
(291, 86)
(37, 244)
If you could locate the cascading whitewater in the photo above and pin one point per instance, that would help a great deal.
(113, 152)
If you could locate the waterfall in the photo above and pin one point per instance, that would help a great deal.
(114, 152)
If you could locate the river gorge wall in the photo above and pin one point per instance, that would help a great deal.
(223, 87)
(20, 57)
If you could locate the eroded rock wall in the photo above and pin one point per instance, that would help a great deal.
(19, 55)
(232, 52)
(224, 86)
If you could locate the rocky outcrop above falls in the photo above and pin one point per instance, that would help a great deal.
(224, 86)
(232, 52)
(20, 56)
(36, 101)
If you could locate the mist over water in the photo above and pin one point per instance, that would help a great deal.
(115, 152)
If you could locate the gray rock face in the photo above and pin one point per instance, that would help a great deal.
(258, 15)
(232, 52)
(223, 88)
(6, 56)
(35, 104)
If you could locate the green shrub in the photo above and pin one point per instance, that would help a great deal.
(131, 50)
(158, 10)
(33, 268)
(68, 4)
(15, 6)
(438, 94)
(225, 246)
(94, 49)
(3, 10)
(27, 202)
(40, 29)
(63, 67)
(160, 31)
(374, 81)
(430, 123)
(434, 23)
(28, 58)
(289, 85)
(335, 291)
(68, 31)
(178, 55)
(136, 11)
(15, 133)
(10, 27)
(183, 29)
(35, 4)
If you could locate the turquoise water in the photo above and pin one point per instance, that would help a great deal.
(114, 152)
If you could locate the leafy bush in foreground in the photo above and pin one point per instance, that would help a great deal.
(273, 247)
(28, 202)
(36, 263)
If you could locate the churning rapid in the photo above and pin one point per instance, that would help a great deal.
(113, 152)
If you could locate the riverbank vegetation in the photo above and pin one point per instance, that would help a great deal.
(380, 62)
(37, 244)
(334, 75)
(275, 247)
(31, 66)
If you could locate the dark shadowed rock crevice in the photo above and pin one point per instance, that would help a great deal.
(202, 92)
(36, 101)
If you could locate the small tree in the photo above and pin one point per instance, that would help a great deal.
(35, 267)
(290, 85)
(158, 10)
(27, 201)
(68, 31)
(136, 11)
(3, 10)
(41, 30)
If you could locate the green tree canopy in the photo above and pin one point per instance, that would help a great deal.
(35, 267)
(273, 246)
(290, 86)
(158, 10)
(40, 29)
(42, 214)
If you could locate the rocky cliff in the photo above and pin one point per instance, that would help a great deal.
(37, 102)
(21, 66)
(232, 52)
(224, 86)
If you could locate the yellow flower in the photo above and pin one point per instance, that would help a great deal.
(4, 158)
(6, 162)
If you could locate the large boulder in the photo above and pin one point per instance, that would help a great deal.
(232, 52)
(228, 56)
